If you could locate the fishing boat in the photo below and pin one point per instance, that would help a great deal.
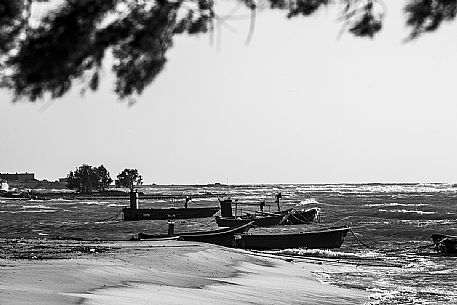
(135, 213)
(262, 218)
(168, 213)
(222, 237)
(445, 244)
(297, 217)
(322, 239)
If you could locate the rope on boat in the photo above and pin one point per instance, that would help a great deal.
(358, 240)
(393, 250)
(300, 220)
(409, 248)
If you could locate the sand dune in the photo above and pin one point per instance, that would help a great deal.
(167, 272)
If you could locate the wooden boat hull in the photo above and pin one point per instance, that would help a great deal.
(445, 244)
(322, 239)
(171, 213)
(222, 237)
(259, 221)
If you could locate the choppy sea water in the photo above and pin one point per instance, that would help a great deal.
(391, 257)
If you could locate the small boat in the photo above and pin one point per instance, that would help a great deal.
(135, 213)
(265, 219)
(322, 239)
(297, 217)
(445, 244)
(222, 237)
(14, 195)
(170, 213)
(261, 220)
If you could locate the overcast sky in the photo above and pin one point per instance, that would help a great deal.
(297, 105)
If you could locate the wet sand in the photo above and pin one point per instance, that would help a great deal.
(158, 272)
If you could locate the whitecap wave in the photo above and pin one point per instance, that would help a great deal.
(399, 189)
(37, 206)
(89, 202)
(61, 199)
(116, 205)
(308, 201)
(33, 211)
(408, 211)
(394, 204)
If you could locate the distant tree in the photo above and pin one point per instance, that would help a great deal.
(85, 179)
(105, 179)
(72, 181)
(129, 177)
(72, 40)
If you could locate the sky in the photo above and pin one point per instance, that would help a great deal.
(298, 104)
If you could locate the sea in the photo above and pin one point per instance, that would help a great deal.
(389, 252)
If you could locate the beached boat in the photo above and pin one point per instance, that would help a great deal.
(445, 244)
(170, 213)
(223, 237)
(321, 239)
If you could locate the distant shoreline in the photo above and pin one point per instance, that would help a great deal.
(107, 195)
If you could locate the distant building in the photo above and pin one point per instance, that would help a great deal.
(4, 185)
(18, 177)
(63, 180)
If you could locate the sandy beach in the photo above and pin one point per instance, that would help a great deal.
(158, 272)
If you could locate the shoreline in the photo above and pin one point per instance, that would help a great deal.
(167, 272)
(107, 195)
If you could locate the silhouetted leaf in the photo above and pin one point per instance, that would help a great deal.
(71, 41)
(305, 7)
(427, 15)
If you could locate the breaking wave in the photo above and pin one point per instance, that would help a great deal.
(408, 211)
(393, 204)
(308, 201)
(329, 253)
